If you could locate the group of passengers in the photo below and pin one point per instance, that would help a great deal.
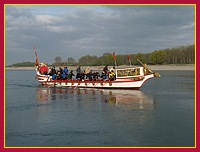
(61, 74)
(64, 74)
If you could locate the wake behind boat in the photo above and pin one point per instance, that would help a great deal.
(127, 78)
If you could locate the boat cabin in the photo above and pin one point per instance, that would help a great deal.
(129, 72)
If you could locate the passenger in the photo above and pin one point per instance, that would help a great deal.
(113, 68)
(60, 70)
(107, 76)
(78, 72)
(95, 76)
(89, 75)
(70, 75)
(103, 75)
(82, 75)
(53, 71)
(105, 69)
(59, 76)
(112, 75)
(54, 77)
(87, 70)
(65, 73)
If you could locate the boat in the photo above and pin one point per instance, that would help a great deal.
(126, 78)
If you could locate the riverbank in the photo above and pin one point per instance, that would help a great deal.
(153, 67)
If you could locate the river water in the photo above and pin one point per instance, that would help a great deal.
(160, 114)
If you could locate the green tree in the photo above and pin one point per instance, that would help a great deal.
(106, 59)
(23, 64)
(158, 57)
(141, 57)
(87, 60)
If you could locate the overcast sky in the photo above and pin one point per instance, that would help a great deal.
(75, 31)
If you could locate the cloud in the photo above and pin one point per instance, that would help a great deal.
(75, 31)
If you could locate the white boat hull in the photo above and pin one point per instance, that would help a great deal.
(120, 83)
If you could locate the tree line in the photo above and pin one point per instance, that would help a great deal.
(180, 55)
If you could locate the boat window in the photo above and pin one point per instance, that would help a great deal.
(128, 72)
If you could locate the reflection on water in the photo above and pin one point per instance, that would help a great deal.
(131, 98)
(134, 99)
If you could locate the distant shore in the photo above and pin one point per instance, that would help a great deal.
(153, 67)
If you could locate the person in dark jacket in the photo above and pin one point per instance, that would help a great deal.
(78, 72)
(53, 71)
(70, 75)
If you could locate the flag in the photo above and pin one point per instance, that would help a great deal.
(36, 61)
(114, 57)
(129, 57)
